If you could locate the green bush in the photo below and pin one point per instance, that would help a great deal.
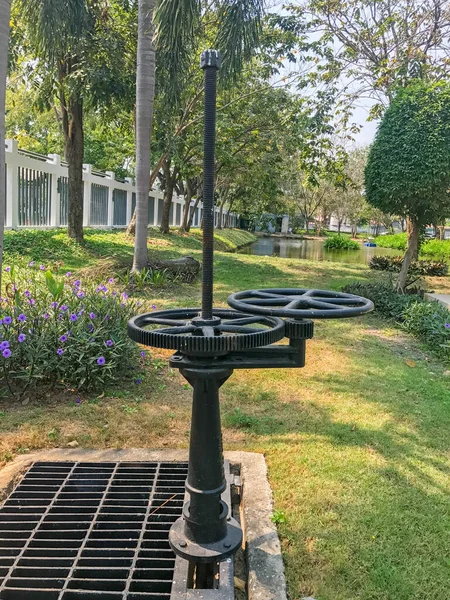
(428, 321)
(435, 249)
(340, 242)
(398, 241)
(393, 264)
(57, 331)
(438, 249)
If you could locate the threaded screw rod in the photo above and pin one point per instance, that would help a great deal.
(210, 63)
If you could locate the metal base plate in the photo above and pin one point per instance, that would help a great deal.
(225, 590)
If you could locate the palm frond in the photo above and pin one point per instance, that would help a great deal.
(54, 25)
(175, 22)
(238, 34)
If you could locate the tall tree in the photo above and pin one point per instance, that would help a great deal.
(145, 93)
(237, 34)
(5, 6)
(408, 169)
(376, 46)
(83, 58)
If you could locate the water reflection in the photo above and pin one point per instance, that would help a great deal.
(312, 250)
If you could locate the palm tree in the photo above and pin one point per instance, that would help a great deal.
(145, 92)
(5, 6)
(239, 24)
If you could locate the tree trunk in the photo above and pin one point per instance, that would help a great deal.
(131, 229)
(339, 226)
(169, 180)
(187, 205)
(145, 94)
(307, 226)
(411, 252)
(219, 220)
(5, 6)
(74, 152)
(192, 212)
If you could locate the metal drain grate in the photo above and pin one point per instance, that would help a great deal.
(91, 531)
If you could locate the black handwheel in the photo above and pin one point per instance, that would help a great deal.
(184, 330)
(300, 304)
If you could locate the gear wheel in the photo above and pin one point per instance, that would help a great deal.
(183, 330)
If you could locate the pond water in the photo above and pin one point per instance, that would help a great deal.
(312, 250)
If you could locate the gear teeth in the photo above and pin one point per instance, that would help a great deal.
(299, 330)
(197, 344)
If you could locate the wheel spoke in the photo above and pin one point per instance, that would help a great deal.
(245, 321)
(326, 305)
(299, 303)
(259, 294)
(177, 330)
(278, 301)
(170, 322)
(339, 301)
(238, 329)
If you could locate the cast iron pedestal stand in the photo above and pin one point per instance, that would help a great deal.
(210, 344)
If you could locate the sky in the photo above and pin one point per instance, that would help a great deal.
(361, 113)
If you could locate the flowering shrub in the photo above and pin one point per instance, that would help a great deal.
(59, 331)
(428, 321)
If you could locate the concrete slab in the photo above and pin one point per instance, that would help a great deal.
(266, 580)
(443, 299)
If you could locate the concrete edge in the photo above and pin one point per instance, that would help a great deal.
(266, 580)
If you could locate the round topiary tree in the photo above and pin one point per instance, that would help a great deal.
(408, 167)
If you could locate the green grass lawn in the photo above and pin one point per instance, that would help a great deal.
(357, 442)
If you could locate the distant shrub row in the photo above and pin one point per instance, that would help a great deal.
(428, 321)
(437, 249)
(393, 264)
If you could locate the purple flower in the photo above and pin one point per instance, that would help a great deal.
(60, 351)
(68, 274)
(154, 306)
(63, 339)
(101, 360)
(81, 295)
(7, 269)
(143, 354)
(92, 315)
(4, 345)
(447, 325)
(77, 283)
(60, 317)
(111, 280)
(90, 328)
(6, 353)
(73, 317)
(109, 343)
(31, 264)
(27, 293)
(7, 321)
(45, 316)
(114, 294)
(98, 289)
(108, 317)
(54, 304)
(42, 268)
(63, 308)
(31, 301)
(22, 337)
(125, 296)
(78, 401)
(138, 381)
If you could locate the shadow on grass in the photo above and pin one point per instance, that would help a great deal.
(363, 476)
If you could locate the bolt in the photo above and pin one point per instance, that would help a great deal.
(228, 519)
(227, 545)
(182, 544)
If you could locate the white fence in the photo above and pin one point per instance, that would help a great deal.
(37, 197)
